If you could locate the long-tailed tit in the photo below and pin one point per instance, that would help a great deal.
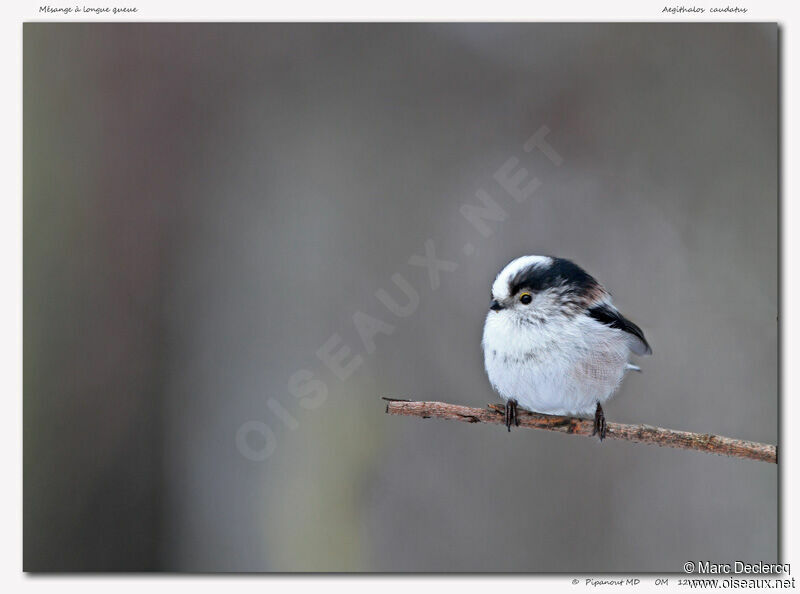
(554, 343)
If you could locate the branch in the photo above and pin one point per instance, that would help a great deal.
(702, 442)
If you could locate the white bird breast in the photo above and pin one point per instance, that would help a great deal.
(564, 366)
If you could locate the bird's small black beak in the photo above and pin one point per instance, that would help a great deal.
(495, 306)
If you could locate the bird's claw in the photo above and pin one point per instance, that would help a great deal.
(511, 414)
(599, 422)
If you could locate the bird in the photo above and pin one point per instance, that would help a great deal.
(553, 341)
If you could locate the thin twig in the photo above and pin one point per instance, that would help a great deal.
(703, 442)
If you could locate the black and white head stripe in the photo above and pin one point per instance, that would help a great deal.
(554, 273)
(608, 315)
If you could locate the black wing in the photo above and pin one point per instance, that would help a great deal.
(609, 316)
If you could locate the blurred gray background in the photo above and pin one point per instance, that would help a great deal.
(207, 204)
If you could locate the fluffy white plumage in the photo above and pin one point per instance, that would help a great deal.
(567, 349)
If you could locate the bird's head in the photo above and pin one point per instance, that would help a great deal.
(536, 289)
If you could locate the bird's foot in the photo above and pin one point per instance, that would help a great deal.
(511, 414)
(599, 422)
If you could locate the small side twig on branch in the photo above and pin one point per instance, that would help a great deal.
(702, 442)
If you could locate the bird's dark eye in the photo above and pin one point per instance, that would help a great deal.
(525, 298)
